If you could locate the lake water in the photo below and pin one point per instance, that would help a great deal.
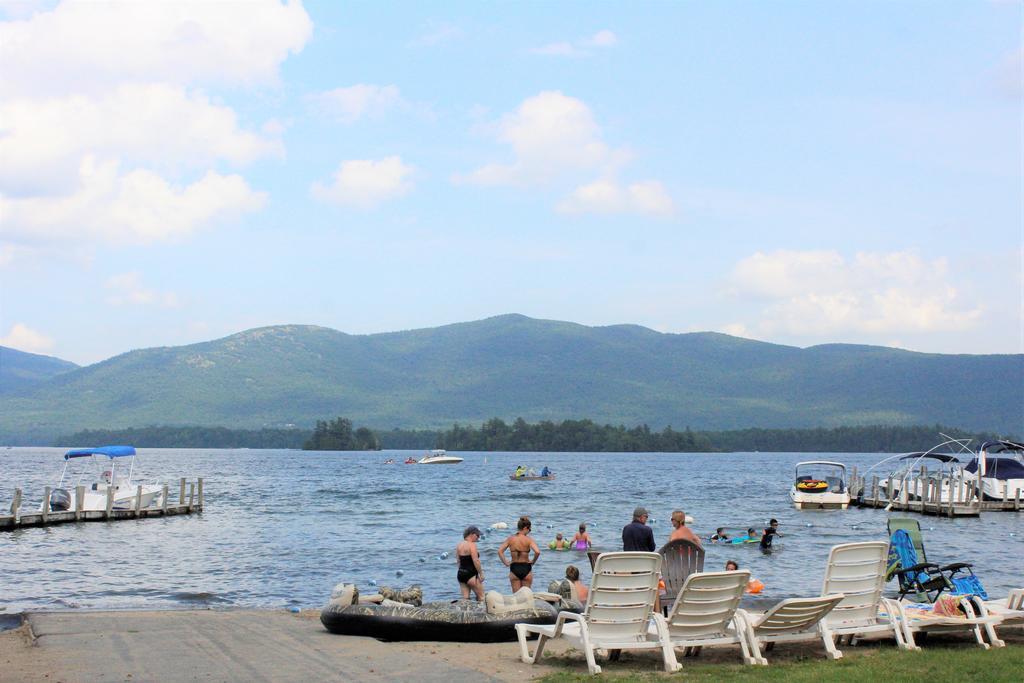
(280, 528)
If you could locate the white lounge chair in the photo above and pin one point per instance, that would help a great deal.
(619, 608)
(857, 571)
(794, 619)
(704, 612)
(1010, 609)
(919, 618)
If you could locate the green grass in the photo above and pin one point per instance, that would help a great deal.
(931, 665)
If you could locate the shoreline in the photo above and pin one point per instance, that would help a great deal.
(277, 645)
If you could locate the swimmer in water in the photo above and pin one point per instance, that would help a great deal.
(519, 546)
(581, 541)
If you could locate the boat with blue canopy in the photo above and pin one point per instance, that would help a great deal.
(998, 467)
(113, 477)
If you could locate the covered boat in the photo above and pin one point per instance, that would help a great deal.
(999, 477)
(820, 485)
(112, 474)
(464, 621)
(921, 471)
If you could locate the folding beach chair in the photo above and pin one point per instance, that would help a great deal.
(917, 577)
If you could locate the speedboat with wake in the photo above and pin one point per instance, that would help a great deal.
(820, 485)
(114, 473)
(999, 477)
(439, 456)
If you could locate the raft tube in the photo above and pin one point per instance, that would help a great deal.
(463, 621)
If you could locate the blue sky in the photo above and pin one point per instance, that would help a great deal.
(796, 172)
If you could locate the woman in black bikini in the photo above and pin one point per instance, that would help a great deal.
(520, 545)
(471, 573)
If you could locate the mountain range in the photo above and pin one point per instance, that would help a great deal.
(507, 366)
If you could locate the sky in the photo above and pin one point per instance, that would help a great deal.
(795, 172)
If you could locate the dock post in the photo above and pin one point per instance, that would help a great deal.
(138, 500)
(16, 507)
(164, 499)
(200, 480)
(46, 503)
(181, 491)
(888, 488)
(110, 501)
(1006, 496)
(79, 501)
(1016, 501)
(874, 490)
(191, 495)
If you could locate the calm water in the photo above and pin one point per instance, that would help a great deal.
(282, 527)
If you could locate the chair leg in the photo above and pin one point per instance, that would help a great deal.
(588, 649)
(830, 646)
(522, 632)
(668, 653)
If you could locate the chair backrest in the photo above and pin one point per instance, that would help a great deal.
(679, 559)
(706, 603)
(857, 570)
(622, 593)
(913, 529)
(795, 615)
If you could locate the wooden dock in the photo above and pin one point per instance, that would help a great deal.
(951, 496)
(189, 502)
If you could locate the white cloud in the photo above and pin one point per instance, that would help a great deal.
(549, 134)
(365, 183)
(822, 293)
(135, 207)
(42, 142)
(127, 289)
(436, 34)
(24, 338)
(354, 102)
(80, 45)
(604, 38)
(583, 47)
(607, 196)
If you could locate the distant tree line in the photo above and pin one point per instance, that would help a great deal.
(570, 435)
(565, 436)
(338, 435)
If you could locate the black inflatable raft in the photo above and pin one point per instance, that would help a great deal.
(462, 621)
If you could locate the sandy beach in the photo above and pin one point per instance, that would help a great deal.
(265, 645)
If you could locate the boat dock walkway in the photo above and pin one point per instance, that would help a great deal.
(950, 496)
(188, 502)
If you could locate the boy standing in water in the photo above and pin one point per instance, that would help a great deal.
(770, 532)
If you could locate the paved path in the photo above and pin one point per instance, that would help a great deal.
(232, 646)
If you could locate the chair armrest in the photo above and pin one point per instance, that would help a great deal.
(919, 567)
(956, 566)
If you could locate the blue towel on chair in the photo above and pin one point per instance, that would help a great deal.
(969, 585)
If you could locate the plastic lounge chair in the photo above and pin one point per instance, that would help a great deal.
(680, 559)
(1010, 609)
(705, 613)
(918, 618)
(857, 571)
(794, 619)
(619, 607)
(923, 580)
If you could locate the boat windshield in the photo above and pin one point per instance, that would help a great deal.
(832, 473)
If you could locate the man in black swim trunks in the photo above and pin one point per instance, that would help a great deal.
(637, 535)
(520, 545)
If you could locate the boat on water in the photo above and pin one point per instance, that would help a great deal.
(535, 477)
(439, 456)
(820, 485)
(924, 471)
(113, 473)
(999, 477)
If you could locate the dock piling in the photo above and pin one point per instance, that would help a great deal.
(16, 506)
(79, 501)
(46, 503)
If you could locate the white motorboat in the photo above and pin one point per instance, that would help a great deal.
(921, 473)
(1000, 477)
(110, 477)
(439, 456)
(820, 485)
